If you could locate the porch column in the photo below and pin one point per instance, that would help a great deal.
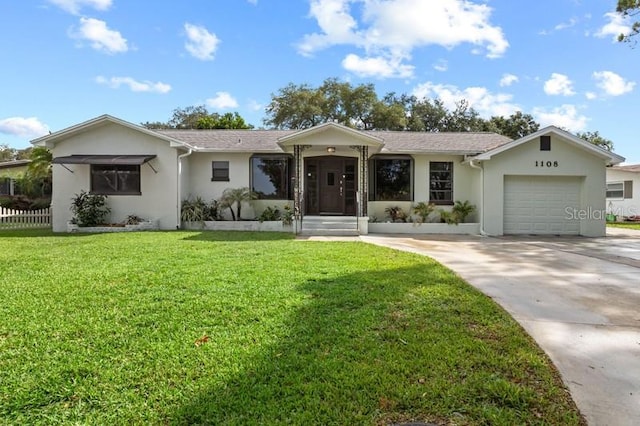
(363, 178)
(297, 182)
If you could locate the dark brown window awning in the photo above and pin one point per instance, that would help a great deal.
(104, 159)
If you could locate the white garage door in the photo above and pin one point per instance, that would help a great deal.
(541, 205)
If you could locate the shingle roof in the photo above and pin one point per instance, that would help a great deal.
(395, 142)
(628, 168)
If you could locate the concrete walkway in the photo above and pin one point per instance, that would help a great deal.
(579, 298)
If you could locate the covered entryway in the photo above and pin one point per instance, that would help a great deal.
(542, 205)
(330, 185)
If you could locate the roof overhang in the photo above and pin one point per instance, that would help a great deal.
(104, 159)
(610, 157)
(350, 137)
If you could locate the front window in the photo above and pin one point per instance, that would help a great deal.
(220, 171)
(392, 178)
(115, 179)
(441, 182)
(615, 190)
(271, 177)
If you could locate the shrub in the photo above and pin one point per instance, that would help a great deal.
(269, 214)
(396, 214)
(423, 210)
(197, 210)
(458, 213)
(89, 209)
(287, 215)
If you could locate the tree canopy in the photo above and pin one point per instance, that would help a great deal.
(198, 117)
(596, 139)
(629, 8)
(302, 106)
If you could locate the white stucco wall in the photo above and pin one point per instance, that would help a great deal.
(571, 160)
(159, 190)
(466, 182)
(627, 206)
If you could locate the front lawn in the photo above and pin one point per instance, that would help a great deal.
(628, 225)
(246, 328)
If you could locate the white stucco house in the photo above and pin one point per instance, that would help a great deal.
(549, 182)
(623, 191)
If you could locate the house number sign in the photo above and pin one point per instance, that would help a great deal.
(546, 164)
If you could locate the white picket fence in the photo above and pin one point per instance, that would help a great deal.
(24, 219)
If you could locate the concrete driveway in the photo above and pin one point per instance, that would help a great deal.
(579, 298)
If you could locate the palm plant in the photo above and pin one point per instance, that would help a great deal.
(463, 209)
(235, 197)
(423, 210)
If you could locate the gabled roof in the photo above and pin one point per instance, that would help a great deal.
(566, 136)
(51, 139)
(364, 138)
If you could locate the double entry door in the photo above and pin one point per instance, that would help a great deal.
(330, 185)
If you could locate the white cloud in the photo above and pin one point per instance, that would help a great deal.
(74, 6)
(508, 79)
(255, 105)
(386, 28)
(377, 67)
(612, 83)
(23, 127)
(223, 100)
(564, 25)
(591, 95)
(442, 65)
(559, 84)
(100, 36)
(134, 86)
(487, 104)
(564, 116)
(253, 1)
(617, 25)
(202, 44)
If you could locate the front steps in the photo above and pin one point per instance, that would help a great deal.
(330, 226)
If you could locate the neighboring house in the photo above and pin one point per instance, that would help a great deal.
(9, 171)
(549, 182)
(623, 190)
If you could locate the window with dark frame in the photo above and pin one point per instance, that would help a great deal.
(545, 143)
(109, 179)
(441, 182)
(391, 178)
(220, 171)
(271, 177)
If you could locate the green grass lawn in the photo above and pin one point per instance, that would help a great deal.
(625, 225)
(247, 328)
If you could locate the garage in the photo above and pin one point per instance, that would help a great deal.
(541, 205)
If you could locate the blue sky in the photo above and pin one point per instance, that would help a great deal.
(66, 61)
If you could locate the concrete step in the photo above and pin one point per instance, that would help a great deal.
(329, 225)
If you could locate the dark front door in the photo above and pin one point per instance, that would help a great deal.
(330, 185)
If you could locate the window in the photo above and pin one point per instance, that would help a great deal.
(220, 171)
(441, 182)
(620, 190)
(545, 143)
(115, 180)
(5, 186)
(271, 177)
(391, 178)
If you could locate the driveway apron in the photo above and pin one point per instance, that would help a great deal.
(579, 298)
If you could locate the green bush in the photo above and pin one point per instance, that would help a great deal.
(269, 214)
(198, 210)
(89, 209)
